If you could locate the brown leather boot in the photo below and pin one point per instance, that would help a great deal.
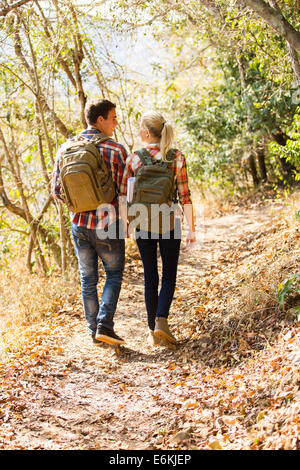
(153, 340)
(163, 332)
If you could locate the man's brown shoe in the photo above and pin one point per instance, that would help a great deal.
(108, 336)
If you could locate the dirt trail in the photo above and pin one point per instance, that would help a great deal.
(100, 398)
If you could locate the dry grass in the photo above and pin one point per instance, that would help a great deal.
(28, 300)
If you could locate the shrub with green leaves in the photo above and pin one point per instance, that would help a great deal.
(287, 287)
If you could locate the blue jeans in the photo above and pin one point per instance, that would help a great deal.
(158, 304)
(88, 248)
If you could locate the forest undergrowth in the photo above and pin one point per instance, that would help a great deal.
(232, 383)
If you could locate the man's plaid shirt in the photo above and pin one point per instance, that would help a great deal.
(114, 156)
(178, 166)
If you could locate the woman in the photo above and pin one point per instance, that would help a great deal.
(158, 135)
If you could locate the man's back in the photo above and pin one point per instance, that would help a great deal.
(114, 156)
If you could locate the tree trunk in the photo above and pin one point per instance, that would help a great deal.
(295, 61)
(292, 51)
(46, 236)
(287, 167)
(29, 253)
(251, 158)
(253, 170)
(78, 56)
(12, 156)
(262, 162)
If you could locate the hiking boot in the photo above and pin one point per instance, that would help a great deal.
(108, 336)
(153, 340)
(162, 331)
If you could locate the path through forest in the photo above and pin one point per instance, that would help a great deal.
(96, 397)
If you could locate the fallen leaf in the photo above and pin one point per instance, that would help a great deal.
(215, 445)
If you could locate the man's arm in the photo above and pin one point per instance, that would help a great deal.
(122, 157)
(127, 173)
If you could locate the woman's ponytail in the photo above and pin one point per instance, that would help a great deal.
(167, 138)
(161, 129)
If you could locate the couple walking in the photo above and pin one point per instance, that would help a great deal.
(89, 228)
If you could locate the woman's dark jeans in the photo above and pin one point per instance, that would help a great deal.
(158, 304)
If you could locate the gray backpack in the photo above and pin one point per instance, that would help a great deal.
(85, 179)
(154, 181)
(154, 185)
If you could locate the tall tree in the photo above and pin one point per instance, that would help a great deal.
(274, 17)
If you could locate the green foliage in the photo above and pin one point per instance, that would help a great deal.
(224, 119)
(291, 151)
(227, 121)
(289, 286)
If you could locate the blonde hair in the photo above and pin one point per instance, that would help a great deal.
(160, 128)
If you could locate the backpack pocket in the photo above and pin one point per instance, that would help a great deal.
(105, 187)
(153, 190)
(150, 196)
(80, 187)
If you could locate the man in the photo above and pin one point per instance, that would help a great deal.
(89, 229)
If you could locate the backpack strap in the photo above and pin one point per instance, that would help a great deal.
(171, 155)
(98, 139)
(144, 156)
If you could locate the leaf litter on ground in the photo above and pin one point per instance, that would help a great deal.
(233, 382)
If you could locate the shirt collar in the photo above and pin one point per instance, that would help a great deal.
(90, 131)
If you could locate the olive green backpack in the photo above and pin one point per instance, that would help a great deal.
(154, 185)
(85, 179)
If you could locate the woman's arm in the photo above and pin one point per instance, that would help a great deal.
(190, 218)
(184, 196)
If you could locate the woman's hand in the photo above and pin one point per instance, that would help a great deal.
(190, 239)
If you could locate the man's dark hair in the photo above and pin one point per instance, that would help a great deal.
(94, 109)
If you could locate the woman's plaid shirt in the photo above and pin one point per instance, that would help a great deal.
(178, 166)
(115, 156)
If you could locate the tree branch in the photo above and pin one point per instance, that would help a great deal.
(6, 10)
(39, 94)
